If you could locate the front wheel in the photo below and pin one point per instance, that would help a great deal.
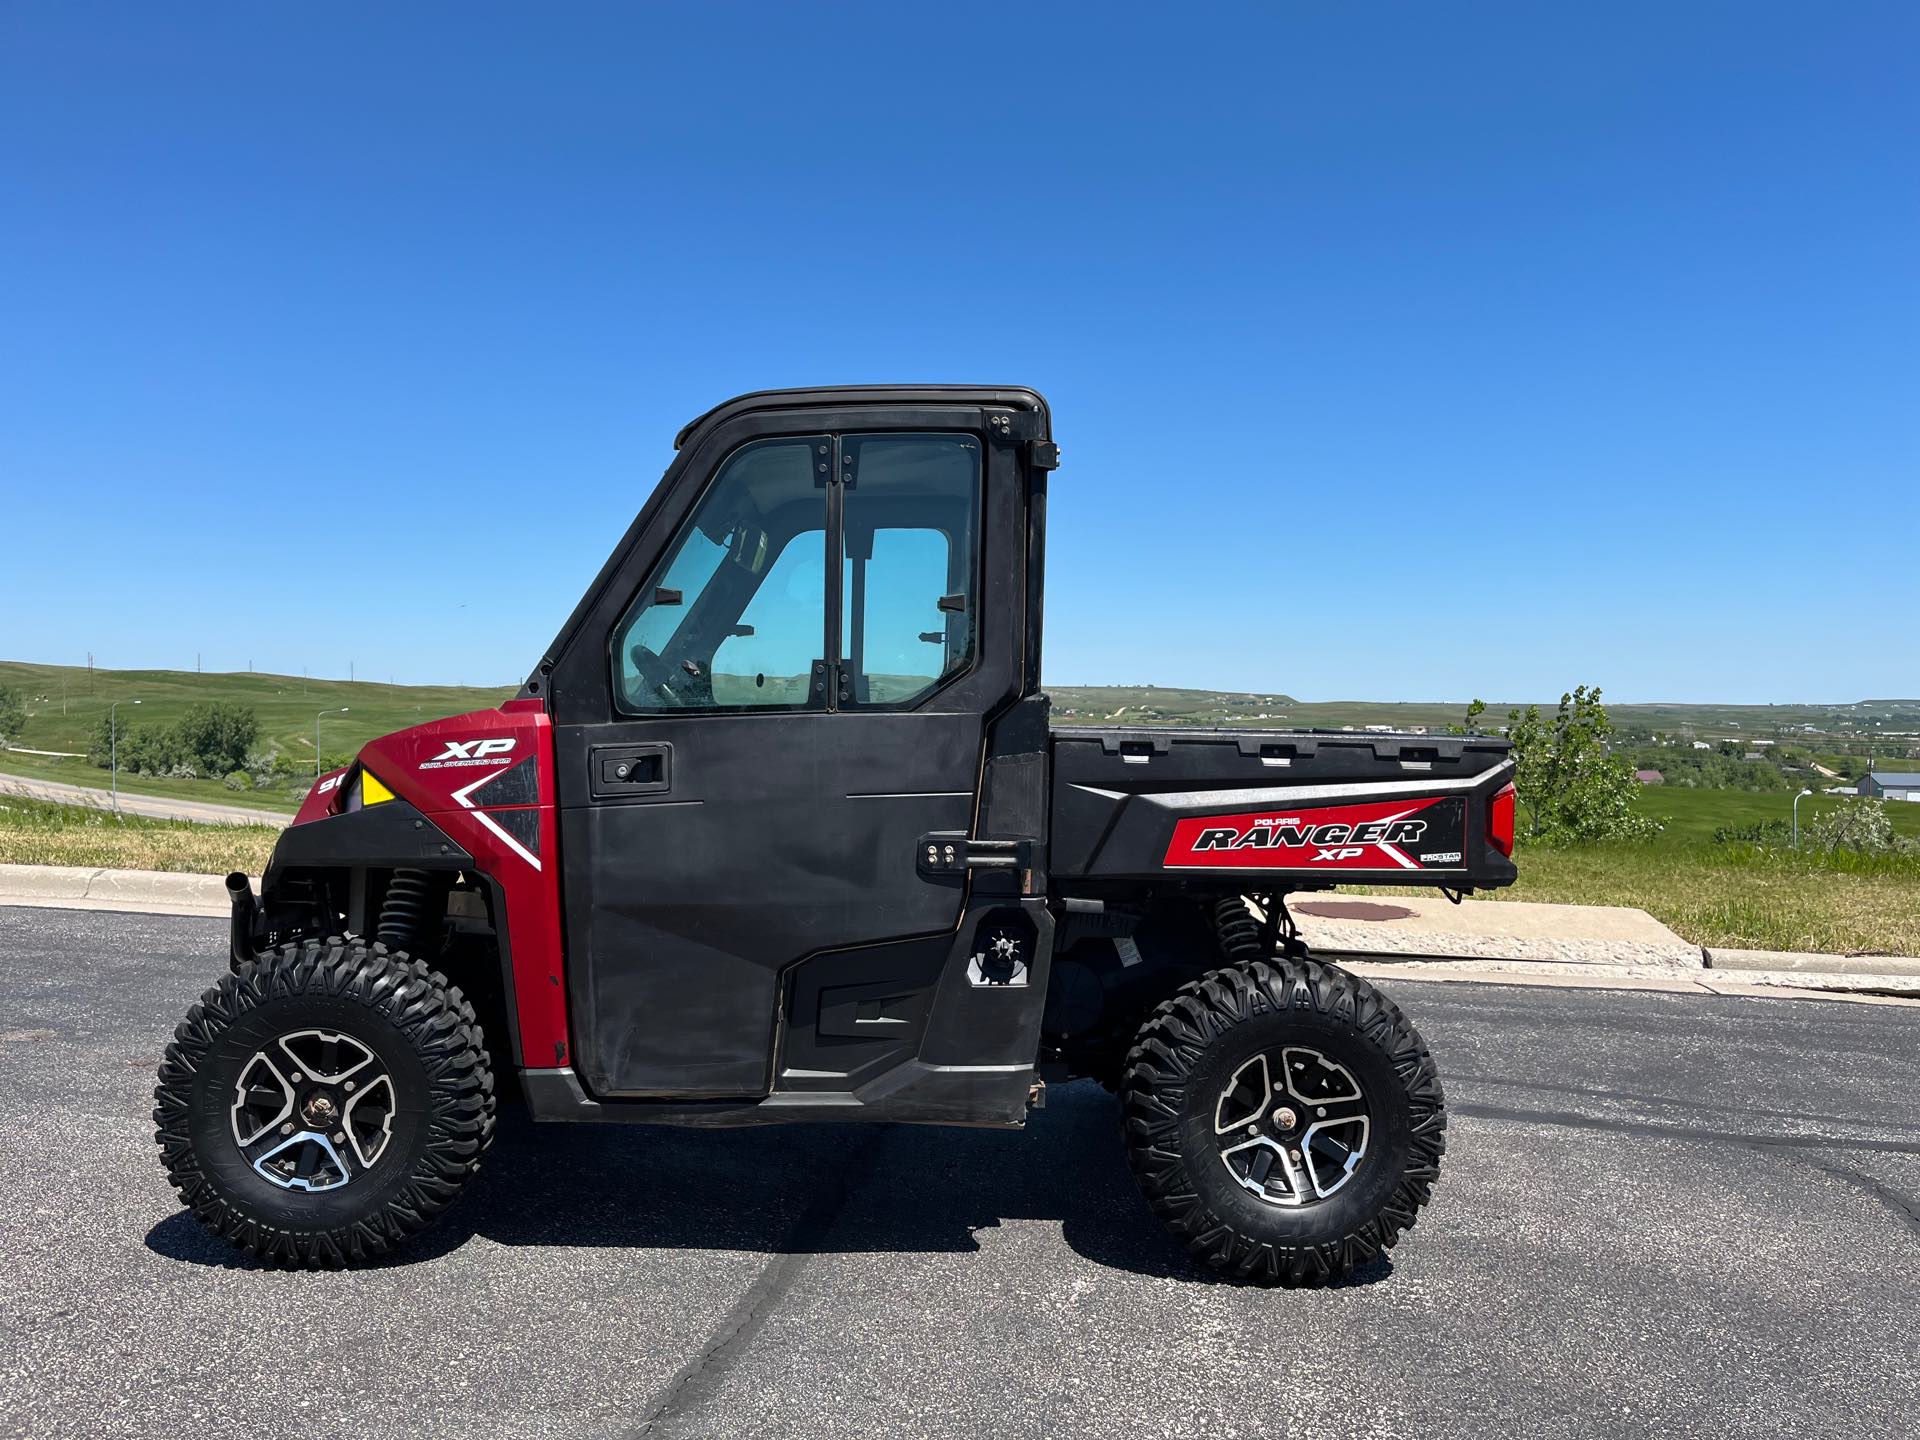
(1284, 1119)
(324, 1104)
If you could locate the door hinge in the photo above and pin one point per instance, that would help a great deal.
(946, 852)
(1043, 455)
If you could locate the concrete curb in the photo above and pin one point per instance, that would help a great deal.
(1602, 977)
(1799, 960)
(73, 887)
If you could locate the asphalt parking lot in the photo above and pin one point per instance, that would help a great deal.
(1683, 1214)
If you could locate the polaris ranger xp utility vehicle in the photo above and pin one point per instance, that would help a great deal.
(779, 829)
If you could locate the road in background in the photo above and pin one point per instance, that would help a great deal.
(1686, 1214)
(158, 807)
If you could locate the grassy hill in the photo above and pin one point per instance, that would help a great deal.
(65, 705)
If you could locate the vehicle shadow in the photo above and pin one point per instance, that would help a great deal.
(798, 1189)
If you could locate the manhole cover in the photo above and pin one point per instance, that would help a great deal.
(1351, 910)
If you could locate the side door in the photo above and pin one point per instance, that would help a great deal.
(794, 697)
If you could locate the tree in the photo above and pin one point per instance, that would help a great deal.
(1571, 786)
(217, 737)
(13, 715)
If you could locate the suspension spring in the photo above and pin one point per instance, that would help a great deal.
(1236, 929)
(403, 914)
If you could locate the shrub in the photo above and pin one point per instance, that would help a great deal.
(239, 780)
(1859, 824)
(13, 715)
(1759, 832)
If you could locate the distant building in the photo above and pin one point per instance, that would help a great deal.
(1702, 745)
(1649, 777)
(1892, 784)
(1754, 755)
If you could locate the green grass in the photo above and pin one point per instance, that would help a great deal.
(34, 833)
(1689, 817)
(1739, 895)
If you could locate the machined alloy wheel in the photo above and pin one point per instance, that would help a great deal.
(1284, 1120)
(1292, 1126)
(313, 1110)
(325, 1103)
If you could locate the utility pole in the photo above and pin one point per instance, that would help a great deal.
(316, 737)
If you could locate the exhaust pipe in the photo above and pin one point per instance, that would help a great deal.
(246, 911)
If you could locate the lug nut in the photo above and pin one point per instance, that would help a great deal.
(287, 1129)
(339, 1137)
(295, 1077)
(351, 1083)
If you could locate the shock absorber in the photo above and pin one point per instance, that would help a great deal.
(1236, 929)
(403, 914)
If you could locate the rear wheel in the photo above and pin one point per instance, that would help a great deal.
(324, 1104)
(1284, 1120)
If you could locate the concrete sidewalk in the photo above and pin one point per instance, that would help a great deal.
(1434, 928)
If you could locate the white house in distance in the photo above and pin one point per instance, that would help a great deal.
(1892, 784)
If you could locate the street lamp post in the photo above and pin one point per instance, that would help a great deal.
(316, 737)
(113, 749)
(1796, 816)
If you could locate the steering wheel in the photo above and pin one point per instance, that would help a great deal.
(658, 679)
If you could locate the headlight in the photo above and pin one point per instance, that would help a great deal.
(363, 789)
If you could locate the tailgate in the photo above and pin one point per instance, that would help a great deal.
(1282, 807)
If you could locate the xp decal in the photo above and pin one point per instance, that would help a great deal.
(1380, 835)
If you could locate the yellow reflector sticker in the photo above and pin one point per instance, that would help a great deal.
(372, 792)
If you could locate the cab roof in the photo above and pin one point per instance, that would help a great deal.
(1017, 397)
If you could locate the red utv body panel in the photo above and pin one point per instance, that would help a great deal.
(486, 779)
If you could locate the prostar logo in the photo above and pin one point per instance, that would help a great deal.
(470, 752)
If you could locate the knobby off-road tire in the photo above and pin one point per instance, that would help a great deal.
(1206, 1044)
(386, 1014)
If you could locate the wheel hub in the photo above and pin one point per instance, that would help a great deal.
(320, 1109)
(334, 1129)
(1292, 1126)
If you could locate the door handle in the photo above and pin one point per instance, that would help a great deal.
(617, 771)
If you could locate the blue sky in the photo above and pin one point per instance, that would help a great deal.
(1396, 352)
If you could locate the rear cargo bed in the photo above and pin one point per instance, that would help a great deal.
(1280, 808)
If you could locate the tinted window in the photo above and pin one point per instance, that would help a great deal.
(735, 616)
(908, 608)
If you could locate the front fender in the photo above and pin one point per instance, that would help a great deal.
(390, 834)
